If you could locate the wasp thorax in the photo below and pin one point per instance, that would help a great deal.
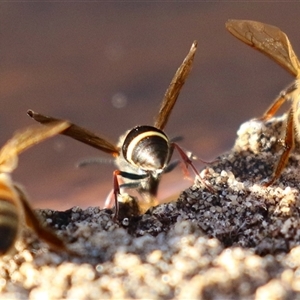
(147, 148)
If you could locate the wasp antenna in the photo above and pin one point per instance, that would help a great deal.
(94, 161)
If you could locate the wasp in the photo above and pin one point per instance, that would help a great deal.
(14, 206)
(274, 43)
(143, 153)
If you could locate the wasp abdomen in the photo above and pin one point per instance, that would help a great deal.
(147, 148)
(9, 223)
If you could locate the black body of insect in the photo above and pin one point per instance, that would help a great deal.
(143, 153)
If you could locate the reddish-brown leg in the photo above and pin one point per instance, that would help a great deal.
(283, 96)
(271, 111)
(187, 161)
(116, 192)
(289, 142)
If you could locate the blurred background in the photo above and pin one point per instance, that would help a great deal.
(106, 66)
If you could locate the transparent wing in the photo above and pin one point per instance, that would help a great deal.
(78, 133)
(174, 88)
(24, 139)
(267, 39)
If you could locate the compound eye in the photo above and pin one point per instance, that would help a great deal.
(147, 147)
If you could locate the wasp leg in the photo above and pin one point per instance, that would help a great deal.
(283, 96)
(116, 193)
(116, 189)
(187, 161)
(289, 143)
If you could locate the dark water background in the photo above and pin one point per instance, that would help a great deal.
(106, 66)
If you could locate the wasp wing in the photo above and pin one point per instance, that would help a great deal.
(269, 40)
(78, 133)
(34, 223)
(174, 88)
(24, 139)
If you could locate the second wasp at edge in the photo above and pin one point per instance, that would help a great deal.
(15, 210)
(274, 43)
(143, 153)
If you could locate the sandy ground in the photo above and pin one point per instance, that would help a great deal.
(240, 242)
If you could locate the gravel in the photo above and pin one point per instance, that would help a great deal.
(240, 242)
